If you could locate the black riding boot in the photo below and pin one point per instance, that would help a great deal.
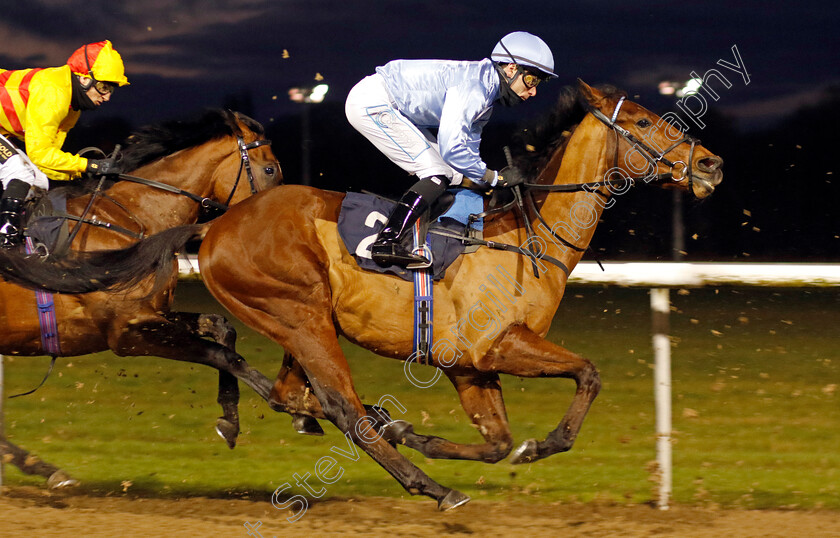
(389, 248)
(11, 220)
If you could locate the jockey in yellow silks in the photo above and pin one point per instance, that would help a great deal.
(39, 106)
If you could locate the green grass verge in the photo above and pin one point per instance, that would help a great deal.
(755, 403)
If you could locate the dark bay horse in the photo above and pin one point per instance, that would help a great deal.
(198, 162)
(291, 278)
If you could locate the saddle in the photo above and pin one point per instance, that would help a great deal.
(44, 220)
(442, 229)
(453, 226)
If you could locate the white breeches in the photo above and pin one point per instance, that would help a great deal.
(14, 164)
(415, 150)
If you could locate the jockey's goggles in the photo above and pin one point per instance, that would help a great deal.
(104, 88)
(530, 79)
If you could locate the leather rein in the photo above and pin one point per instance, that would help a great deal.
(244, 163)
(621, 185)
(652, 157)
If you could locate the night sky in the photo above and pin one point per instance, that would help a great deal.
(777, 134)
(187, 54)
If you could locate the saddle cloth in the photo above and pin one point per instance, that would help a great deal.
(362, 216)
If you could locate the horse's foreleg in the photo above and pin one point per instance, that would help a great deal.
(523, 353)
(160, 337)
(481, 398)
(29, 464)
(222, 332)
(293, 394)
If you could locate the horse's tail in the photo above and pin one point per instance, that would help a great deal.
(84, 272)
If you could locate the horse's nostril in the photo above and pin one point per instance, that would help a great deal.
(710, 164)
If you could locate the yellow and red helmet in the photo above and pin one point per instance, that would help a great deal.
(99, 61)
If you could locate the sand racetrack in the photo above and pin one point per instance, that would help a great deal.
(32, 512)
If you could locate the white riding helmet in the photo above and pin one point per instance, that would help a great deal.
(523, 48)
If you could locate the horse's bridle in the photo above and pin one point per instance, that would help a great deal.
(244, 162)
(650, 155)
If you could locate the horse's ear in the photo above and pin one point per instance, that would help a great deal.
(589, 93)
(232, 121)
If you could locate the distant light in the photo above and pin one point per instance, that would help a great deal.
(690, 87)
(318, 93)
(680, 89)
(667, 88)
(308, 95)
(296, 95)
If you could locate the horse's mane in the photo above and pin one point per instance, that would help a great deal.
(155, 141)
(536, 143)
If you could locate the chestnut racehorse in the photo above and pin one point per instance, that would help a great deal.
(277, 263)
(294, 281)
(197, 162)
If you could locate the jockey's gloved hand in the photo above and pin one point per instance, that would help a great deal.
(509, 176)
(102, 167)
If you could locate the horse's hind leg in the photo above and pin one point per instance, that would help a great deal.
(523, 353)
(481, 398)
(30, 464)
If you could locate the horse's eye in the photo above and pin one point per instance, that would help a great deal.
(643, 123)
(269, 170)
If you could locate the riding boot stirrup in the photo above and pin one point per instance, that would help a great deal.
(389, 248)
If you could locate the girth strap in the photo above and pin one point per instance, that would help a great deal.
(46, 315)
(423, 299)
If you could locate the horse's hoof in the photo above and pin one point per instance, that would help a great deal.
(275, 405)
(453, 499)
(396, 431)
(60, 479)
(526, 453)
(306, 425)
(227, 430)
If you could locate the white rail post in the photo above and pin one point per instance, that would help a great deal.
(661, 307)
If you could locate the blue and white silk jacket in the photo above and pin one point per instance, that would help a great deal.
(454, 96)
